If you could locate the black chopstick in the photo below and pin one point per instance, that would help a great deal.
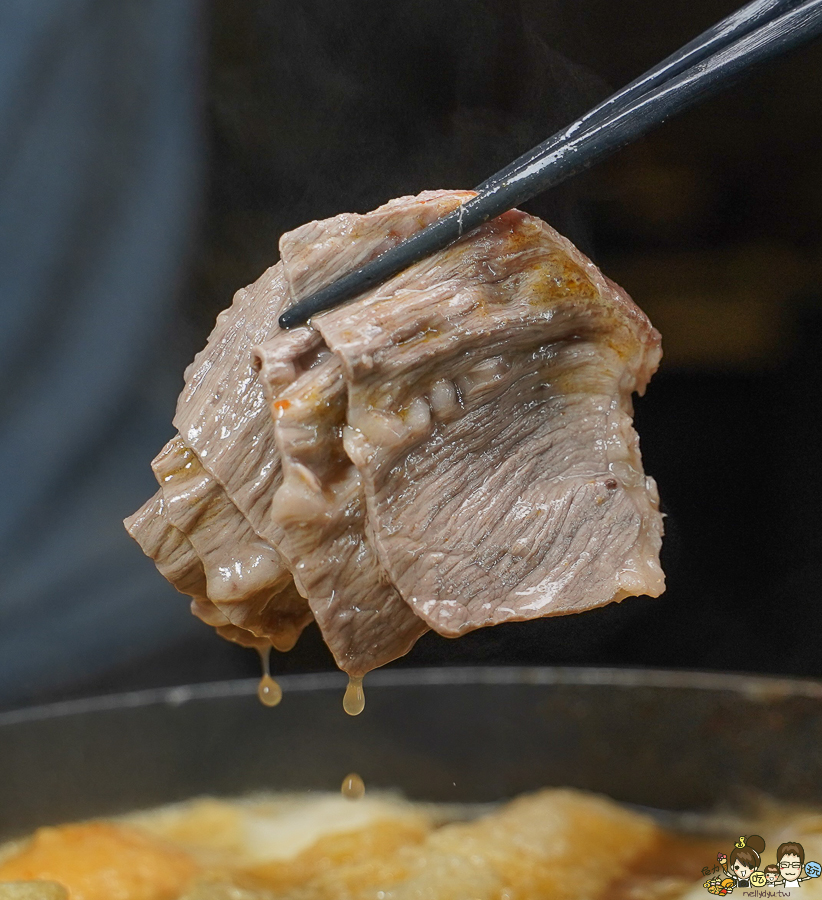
(718, 36)
(586, 142)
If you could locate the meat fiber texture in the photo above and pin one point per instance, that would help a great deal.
(452, 450)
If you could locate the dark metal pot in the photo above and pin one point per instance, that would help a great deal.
(669, 740)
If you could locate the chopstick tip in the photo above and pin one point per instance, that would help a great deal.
(290, 318)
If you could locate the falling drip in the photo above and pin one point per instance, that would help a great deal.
(353, 787)
(269, 692)
(354, 699)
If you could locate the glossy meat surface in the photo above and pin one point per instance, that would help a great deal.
(452, 450)
(321, 508)
(490, 417)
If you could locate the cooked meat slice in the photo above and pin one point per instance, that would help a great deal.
(276, 618)
(170, 549)
(464, 429)
(223, 418)
(246, 578)
(321, 508)
(222, 414)
(490, 417)
(318, 253)
(225, 468)
(236, 561)
(179, 563)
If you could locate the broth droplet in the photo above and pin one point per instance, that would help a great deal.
(354, 699)
(353, 787)
(269, 692)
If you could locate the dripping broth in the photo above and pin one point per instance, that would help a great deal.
(269, 691)
(354, 698)
(353, 787)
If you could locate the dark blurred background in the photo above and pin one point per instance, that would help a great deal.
(291, 112)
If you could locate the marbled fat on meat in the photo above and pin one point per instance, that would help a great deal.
(453, 450)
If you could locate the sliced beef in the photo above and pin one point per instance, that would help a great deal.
(178, 562)
(171, 550)
(222, 414)
(236, 561)
(490, 418)
(452, 450)
(224, 424)
(317, 253)
(246, 578)
(321, 508)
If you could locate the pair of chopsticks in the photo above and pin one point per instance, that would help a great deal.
(752, 35)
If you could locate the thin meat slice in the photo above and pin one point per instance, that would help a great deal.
(179, 563)
(490, 418)
(246, 578)
(167, 546)
(222, 414)
(452, 450)
(321, 508)
(236, 561)
(223, 421)
(318, 253)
